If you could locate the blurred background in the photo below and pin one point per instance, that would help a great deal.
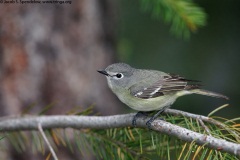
(211, 55)
(49, 55)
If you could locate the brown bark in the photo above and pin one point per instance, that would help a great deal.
(50, 54)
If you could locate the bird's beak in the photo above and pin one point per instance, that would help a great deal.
(103, 72)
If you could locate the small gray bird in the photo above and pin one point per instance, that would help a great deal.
(149, 90)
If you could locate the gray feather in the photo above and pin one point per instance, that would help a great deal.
(165, 85)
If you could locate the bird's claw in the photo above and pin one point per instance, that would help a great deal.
(149, 122)
(134, 121)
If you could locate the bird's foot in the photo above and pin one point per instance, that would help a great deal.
(140, 113)
(149, 122)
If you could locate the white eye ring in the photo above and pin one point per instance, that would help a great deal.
(119, 75)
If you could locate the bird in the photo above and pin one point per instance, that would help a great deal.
(150, 90)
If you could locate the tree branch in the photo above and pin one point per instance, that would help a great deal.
(202, 118)
(117, 121)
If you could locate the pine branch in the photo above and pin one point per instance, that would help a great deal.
(202, 118)
(184, 16)
(119, 121)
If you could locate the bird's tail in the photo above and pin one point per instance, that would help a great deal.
(209, 93)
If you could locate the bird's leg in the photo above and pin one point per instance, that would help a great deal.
(149, 122)
(140, 113)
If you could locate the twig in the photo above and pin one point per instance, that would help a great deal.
(47, 142)
(117, 121)
(203, 118)
(204, 126)
(191, 115)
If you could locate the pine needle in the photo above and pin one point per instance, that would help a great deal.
(217, 109)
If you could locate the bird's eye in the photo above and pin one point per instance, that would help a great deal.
(119, 75)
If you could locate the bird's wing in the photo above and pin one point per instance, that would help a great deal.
(165, 85)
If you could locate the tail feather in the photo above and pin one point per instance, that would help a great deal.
(209, 93)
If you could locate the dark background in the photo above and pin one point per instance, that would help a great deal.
(211, 55)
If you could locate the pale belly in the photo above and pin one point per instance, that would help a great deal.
(148, 104)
